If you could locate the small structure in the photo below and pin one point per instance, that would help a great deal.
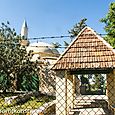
(87, 54)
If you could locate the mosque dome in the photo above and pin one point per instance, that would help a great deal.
(40, 44)
(42, 47)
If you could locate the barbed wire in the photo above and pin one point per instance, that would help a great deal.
(49, 37)
(56, 37)
(62, 36)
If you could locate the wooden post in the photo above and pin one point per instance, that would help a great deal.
(111, 89)
(74, 87)
(61, 93)
(65, 92)
(77, 86)
(70, 92)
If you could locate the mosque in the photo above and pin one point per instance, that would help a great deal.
(41, 51)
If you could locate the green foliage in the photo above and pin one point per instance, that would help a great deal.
(56, 44)
(14, 59)
(78, 27)
(32, 103)
(3, 81)
(29, 83)
(85, 81)
(109, 21)
(66, 44)
(99, 82)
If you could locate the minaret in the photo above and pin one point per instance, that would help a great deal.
(24, 34)
(24, 30)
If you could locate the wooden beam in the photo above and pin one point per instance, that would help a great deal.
(66, 92)
(73, 88)
(91, 71)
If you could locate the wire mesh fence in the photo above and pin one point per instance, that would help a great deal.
(37, 97)
(76, 84)
(62, 93)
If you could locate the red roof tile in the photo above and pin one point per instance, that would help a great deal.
(88, 50)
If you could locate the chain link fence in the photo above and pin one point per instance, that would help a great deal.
(62, 93)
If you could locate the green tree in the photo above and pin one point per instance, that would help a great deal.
(56, 44)
(99, 82)
(3, 80)
(14, 59)
(66, 44)
(109, 21)
(85, 81)
(76, 29)
(28, 82)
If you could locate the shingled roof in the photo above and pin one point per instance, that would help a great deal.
(87, 51)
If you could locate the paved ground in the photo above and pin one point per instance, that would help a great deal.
(90, 105)
(85, 97)
(89, 111)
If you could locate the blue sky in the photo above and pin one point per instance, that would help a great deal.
(53, 17)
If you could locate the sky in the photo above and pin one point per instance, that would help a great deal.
(53, 17)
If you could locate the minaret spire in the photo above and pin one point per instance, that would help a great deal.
(24, 30)
(24, 34)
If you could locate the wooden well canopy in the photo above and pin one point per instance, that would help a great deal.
(88, 51)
